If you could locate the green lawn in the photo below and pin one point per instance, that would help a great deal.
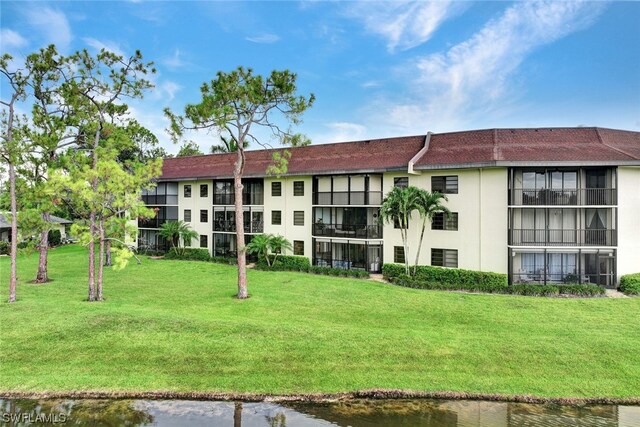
(174, 325)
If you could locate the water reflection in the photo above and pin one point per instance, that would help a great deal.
(356, 413)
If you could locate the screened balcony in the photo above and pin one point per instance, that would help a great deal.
(546, 266)
(224, 219)
(346, 222)
(347, 190)
(349, 255)
(563, 187)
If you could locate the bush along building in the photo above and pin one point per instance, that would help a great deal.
(547, 205)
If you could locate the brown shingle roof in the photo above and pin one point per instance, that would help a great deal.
(372, 155)
(455, 149)
(504, 146)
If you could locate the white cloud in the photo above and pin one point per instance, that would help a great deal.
(473, 79)
(341, 131)
(405, 24)
(11, 40)
(169, 89)
(263, 38)
(174, 61)
(106, 45)
(53, 25)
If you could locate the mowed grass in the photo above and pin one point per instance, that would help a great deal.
(174, 325)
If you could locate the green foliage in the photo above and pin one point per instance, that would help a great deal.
(630, 284)
(268, 247)
(192, 254)
(339, 272)
(55, 238)
(189, 149)
(450, 278)
(285, 263)
(5, 247)
(177, 233)
(439, 278)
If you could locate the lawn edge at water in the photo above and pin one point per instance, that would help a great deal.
(375, 394)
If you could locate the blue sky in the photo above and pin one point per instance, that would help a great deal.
(377, 69)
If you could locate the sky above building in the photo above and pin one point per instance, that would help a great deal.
(378, 69)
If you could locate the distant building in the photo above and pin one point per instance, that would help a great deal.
(57, 223)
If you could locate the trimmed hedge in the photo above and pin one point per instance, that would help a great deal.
(285, 263)
(192, 254)
(302, 264)
(456, 279)
(630, 284)
(429, 277)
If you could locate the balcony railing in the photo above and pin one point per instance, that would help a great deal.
(353, 231)
(582, 196)
(562, 237)
(230, 226)
(347, 198)
(247, 199)
(160, 199)
(152, 222)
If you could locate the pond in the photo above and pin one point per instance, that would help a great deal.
(356, 413)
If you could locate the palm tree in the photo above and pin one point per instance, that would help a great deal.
(177, 231)
(428, 204)
(259, 245)
(278, 245)
(262, 244)
(396, 208)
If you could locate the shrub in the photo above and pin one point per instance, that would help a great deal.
(581, 290)
(630, 284)
(193, 254)
(286, 263)
(535, 290)
(428, 277)
(55, 238)
(5, 247)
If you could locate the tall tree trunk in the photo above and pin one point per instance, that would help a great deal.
(14, 232)
(107, 256)
(101, 262)
(241, 250)
(92, 256)
(42, 276)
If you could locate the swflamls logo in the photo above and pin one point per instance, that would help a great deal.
(31, 418)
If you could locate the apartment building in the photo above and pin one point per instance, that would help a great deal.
(543, 205)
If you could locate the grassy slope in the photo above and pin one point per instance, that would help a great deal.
(174, 325)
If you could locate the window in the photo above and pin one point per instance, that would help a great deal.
(442, 222)
(204, 190)
(445, 184)
(187, 191)
(396, 223)
(298, 217)
(204, 241)
(276, 217)
(298, 188)
(298, 247)
(276, 189)
(398, 254)
(204, 215)
(444, 257)
(401, 182)
(187, 215)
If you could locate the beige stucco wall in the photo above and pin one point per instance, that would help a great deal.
(481, 203)
(197, 203)
(628, 220)
(287, 203)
